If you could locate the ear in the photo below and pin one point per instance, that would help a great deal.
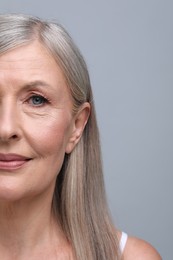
(80, 120)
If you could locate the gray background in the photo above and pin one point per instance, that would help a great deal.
(128, 48)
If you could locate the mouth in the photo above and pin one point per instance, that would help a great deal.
(12, 161)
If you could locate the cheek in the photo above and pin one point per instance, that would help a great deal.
(49, 136)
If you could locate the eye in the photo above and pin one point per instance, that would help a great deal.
(37, 100)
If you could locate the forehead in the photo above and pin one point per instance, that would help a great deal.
(28, 63)
(30, 57)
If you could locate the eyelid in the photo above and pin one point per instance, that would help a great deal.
(35, 94)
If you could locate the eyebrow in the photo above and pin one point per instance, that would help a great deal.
(35, 83)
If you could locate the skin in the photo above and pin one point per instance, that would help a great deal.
(36, 122)
(138, 249)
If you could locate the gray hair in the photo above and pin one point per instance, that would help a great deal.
(79, 198)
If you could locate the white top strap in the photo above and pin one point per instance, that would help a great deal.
(123, 241)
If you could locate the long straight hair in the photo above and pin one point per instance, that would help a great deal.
(79, 200)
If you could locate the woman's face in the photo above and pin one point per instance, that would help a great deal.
(36, 122)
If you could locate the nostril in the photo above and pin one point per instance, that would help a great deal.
(14, 137)
(7, 137)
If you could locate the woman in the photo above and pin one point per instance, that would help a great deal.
(52, 198)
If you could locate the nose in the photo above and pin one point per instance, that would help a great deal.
(8, 122)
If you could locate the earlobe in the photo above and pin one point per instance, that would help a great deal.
(80, 120)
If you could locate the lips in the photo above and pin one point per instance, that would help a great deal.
(12, 161)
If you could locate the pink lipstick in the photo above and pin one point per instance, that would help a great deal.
(12, 161)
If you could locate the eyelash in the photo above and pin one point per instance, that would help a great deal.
(43, 100)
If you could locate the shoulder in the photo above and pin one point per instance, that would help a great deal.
(137, 249)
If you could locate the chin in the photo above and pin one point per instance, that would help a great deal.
(11, 191)
(9, 195)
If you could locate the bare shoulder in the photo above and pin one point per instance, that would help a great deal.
(137, 249)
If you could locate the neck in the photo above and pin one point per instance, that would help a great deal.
(27, 226)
